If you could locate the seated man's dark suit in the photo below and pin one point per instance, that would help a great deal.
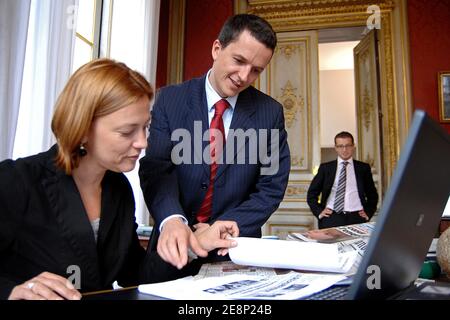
(322, 184)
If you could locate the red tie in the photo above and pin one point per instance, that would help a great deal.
(215, 149)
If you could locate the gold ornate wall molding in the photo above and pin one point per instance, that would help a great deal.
(287, 50)
(240, 6)
(175, 50)
(367, 108)
(291, 103)
(305, 14)
(296, 191)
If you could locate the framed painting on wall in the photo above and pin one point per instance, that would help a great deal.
(444, 95)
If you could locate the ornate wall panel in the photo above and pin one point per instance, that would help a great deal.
(289, 81)
(366, 81)
(289, 220)
(292, 79)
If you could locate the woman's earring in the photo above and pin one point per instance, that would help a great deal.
(82, 150)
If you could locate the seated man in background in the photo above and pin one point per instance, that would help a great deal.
(345, 186)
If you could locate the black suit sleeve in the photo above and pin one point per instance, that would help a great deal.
(13, 200)
(157, 173)
(314, 191)
(131, 273)
(370, 192)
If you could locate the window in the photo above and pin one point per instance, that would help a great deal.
(123, 30)
(126, 31)
(87, 32)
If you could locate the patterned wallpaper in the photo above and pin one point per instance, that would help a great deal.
(203, 22)
(429, 37)
(163, 37)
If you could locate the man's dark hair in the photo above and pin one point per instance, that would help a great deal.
(259, 28)
(343, 135)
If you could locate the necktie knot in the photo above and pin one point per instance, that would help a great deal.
(345, 163)
(220, 107)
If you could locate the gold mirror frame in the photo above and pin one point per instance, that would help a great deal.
(319, 14)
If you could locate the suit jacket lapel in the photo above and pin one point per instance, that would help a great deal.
(359, 181)
(69, 211)
(331, 176)
(112, 204)
(110, 200)
(197, 113)
(242, 119)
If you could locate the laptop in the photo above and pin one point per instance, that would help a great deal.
(409, 216)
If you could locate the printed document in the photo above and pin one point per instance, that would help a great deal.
(289, 286)
(291, 255)
(226, 268)
(335, 234)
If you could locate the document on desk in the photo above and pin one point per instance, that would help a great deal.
(295, 255)
(225, 268)
(289, 286)
(335, 234)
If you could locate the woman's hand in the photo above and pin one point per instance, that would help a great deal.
(217, 235)
(46, 286)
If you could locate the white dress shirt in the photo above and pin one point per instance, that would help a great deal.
(211, 99)
(351, 200)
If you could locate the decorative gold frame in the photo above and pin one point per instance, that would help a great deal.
(175, 51)
(296, 191)
(444, 96)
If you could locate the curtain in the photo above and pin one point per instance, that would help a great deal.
(134, 41)
(13, 37)
(48, 62)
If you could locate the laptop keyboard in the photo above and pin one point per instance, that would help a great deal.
(333, 293)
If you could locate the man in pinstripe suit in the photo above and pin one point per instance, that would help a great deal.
(247, 187)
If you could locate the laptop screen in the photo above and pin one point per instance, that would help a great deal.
(410, 213)
(446, 213)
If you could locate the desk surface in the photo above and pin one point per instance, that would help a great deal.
(131, 293)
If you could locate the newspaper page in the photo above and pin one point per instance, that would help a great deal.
(289, 286)
(336, 234)
(225, 268)
(351, 238)
(294, 255)
(357, 246)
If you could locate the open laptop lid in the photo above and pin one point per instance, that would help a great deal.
(410, 214)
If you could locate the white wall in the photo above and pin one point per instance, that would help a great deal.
(337, 105)
(337, 91)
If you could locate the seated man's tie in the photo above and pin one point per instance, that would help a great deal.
(340, 192)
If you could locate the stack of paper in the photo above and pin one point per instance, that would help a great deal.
(288, 286)
(292, 255)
